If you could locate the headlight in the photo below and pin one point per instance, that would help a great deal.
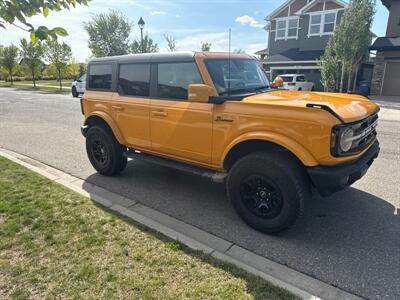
(345, 139)
(350, 139)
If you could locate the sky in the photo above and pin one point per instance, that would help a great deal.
(191, 22)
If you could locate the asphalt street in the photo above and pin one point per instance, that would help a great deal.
(350, 240)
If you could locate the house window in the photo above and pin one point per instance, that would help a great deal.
(287, 28)
(281, 29)
(321, 24)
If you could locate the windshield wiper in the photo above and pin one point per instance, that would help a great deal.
(261, 88)
(238, 91)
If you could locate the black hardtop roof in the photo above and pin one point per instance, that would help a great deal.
(161, 57)
(147, 57)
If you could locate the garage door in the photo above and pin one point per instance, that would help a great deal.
(391, 84)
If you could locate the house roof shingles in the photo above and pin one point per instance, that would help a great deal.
(386, 43)
(293, 55)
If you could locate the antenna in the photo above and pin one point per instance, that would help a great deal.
(229, 64)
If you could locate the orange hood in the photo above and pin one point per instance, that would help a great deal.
(349, 107)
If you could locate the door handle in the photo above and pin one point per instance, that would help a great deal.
(118, 108)
(158, 113)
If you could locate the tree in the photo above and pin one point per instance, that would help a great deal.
(58, 54)
(12, 11)
(239, 51)
(349, 42)
(206, 47)
(329, 67)
(171, 43)
(32, 54)
(109, 34)
(148, 45)
(9, 60)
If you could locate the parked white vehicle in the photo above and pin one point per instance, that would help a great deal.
(78, 86)
(296, 82)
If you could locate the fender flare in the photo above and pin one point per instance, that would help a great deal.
(294, 147)
(110, 122)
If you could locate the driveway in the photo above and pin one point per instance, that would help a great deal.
(350, 240)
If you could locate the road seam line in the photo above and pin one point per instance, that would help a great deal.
(234, 254)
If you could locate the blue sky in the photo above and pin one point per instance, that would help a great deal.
(191, 22)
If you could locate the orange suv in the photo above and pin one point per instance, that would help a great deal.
(215, 115)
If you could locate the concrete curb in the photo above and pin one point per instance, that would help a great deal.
(297, 283)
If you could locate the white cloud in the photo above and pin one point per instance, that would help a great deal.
(247, 20)
(158, 13)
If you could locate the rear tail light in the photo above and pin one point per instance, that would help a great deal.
(292, 83)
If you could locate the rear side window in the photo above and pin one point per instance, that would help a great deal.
(287, 78)
(100, 76)
(134, 79)
(301, 79)
(174, 78)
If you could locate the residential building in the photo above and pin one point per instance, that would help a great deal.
(298, 32)
(386, 76)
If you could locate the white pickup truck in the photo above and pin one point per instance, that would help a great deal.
(296, 82)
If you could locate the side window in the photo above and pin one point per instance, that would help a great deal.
(134, 79)
(174, 78)
(100, 76)
(300, 79)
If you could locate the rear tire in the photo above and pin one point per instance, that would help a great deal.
(74, 92)
(268, 190)
(104, 152)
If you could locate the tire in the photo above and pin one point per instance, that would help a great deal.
(312, 89)
(104, 152)
(268, 190)
(300, 89)
(74, 92)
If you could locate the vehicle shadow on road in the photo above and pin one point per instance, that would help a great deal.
(352, 231)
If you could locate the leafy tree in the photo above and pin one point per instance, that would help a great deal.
(58, 54)
(12, 11)
(109, 34)
(349, 42)
(206, 47)
(329, 63)
(171, 43)
(148, 45)
(32, 54)
(239, 51)
(9, 60)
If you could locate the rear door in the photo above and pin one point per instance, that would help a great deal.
(130, 104)
(180, 128)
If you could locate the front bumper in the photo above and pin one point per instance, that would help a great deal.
(328, 180)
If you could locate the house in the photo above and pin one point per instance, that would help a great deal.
(386, 76)
(298, 32)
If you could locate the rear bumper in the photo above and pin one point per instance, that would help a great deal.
(329, 180)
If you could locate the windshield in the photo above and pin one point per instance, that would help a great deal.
(246, 75)
(83, 77)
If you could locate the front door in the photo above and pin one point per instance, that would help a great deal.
(179, 128)
(131, 104)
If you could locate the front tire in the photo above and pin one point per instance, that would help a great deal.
(104, 152)
(268, 190)
(75, 93)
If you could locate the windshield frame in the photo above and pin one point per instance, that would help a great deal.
(243, 89)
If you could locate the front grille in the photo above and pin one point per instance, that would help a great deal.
(364, 134)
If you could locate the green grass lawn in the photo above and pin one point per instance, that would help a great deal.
(46, 85)
(57, 244)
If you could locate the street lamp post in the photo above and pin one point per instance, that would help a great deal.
(141, 26)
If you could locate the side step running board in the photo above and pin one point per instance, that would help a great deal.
(213, 175)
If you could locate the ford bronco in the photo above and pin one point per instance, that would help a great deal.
(215, 114)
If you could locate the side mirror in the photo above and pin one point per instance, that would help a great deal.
(278, 82)
(199, 92)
